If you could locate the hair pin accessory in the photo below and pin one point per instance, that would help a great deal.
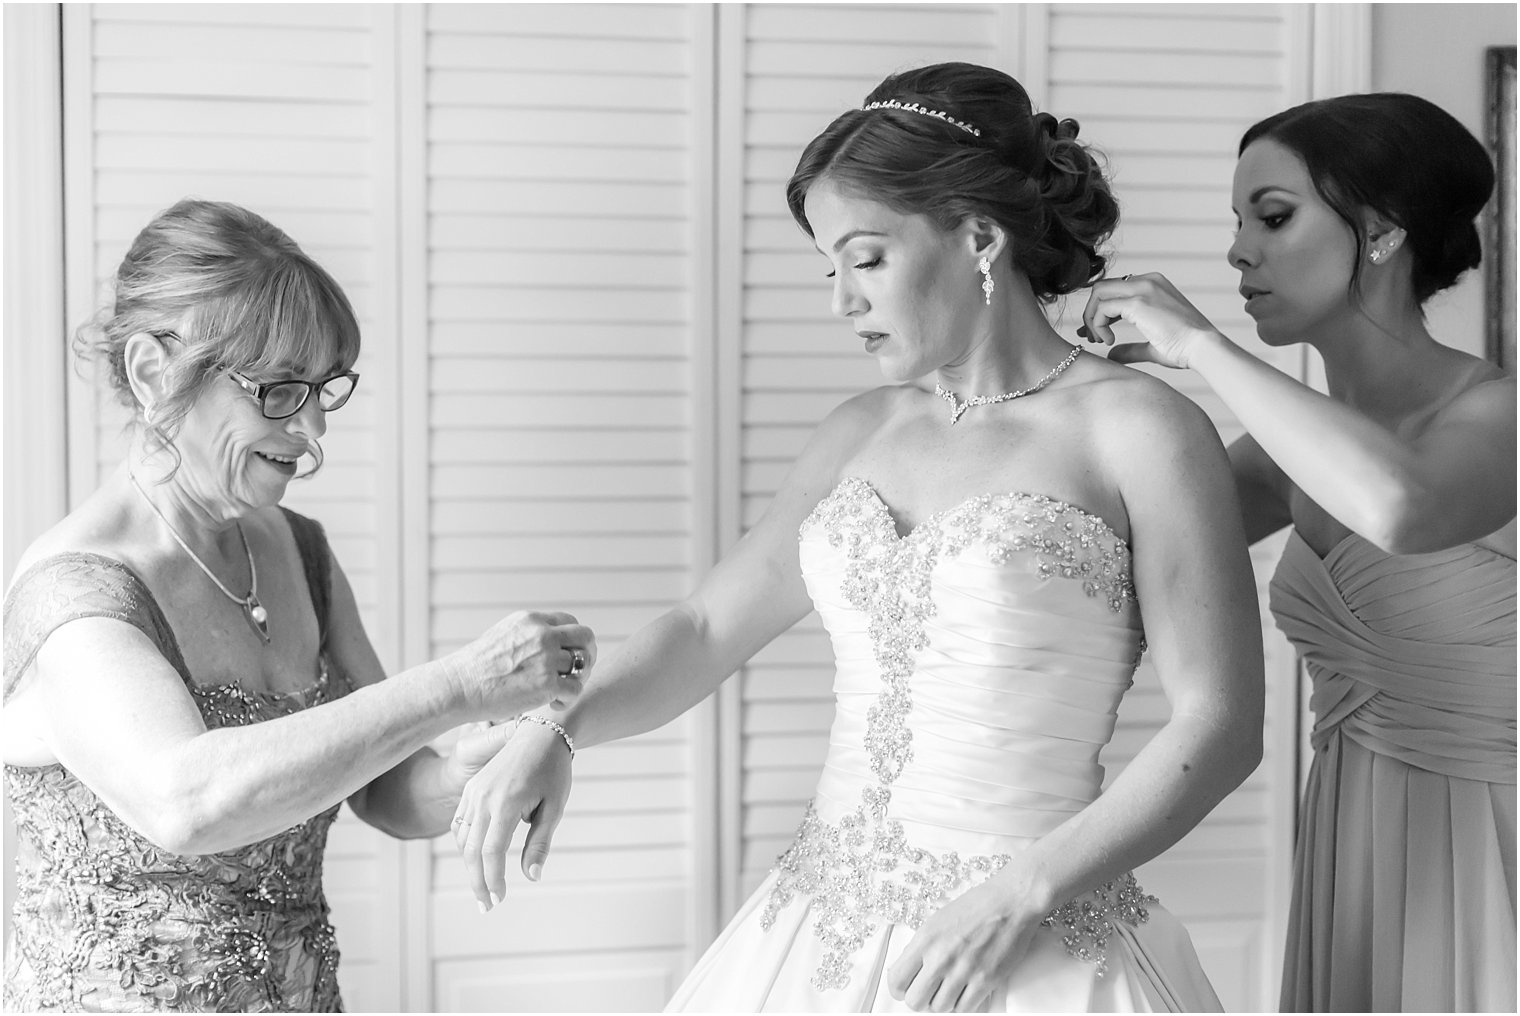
(913, 107)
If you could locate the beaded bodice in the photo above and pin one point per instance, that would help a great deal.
(106, 920)
(980, 661)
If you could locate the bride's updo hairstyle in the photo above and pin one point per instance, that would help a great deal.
(1402, 157)
(982, 151)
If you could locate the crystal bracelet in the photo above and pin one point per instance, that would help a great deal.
(561, 731)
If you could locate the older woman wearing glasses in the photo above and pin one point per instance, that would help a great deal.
(189, 691)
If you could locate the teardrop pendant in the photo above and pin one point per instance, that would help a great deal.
(257, 617)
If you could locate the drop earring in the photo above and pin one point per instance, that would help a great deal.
(985, 267)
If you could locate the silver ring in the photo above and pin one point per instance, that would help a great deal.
(459, 820)
(577, 663)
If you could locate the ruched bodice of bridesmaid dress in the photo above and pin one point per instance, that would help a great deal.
(1404, 879)
(980, 662)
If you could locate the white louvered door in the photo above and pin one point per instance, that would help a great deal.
(594, 342)
(564, 237)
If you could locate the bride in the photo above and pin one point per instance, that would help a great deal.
(992, 540)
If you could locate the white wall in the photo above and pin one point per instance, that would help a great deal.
(1436, 51)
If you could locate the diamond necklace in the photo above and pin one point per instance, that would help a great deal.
(957, 407)
(253, 611)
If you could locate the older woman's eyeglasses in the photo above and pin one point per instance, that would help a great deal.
(281, 399)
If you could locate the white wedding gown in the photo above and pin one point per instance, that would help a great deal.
(980, 663)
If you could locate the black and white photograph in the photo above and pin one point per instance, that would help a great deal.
(759, 507)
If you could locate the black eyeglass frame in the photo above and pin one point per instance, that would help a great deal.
(260, 391)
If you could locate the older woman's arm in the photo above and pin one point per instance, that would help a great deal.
(1193, 580)
(417, 796)
(116, 714)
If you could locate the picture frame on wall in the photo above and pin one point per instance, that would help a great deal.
(1500, 227)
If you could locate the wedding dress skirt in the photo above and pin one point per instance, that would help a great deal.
(980, 664)
(1404, 879)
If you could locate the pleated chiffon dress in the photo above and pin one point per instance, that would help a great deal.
(1404, 873)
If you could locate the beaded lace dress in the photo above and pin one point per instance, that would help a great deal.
(106, 921)
(980, 661)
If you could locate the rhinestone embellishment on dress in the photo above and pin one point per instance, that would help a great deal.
(862, 870)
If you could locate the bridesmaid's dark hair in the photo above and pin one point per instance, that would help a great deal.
(1402, 157)
(1025, 170)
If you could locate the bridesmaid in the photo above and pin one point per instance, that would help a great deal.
(1397, 586)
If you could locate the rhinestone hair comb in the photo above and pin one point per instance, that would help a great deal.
(913, 107)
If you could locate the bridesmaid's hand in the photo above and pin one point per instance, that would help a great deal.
(962, 953)
(1171, 326)
(528, 781)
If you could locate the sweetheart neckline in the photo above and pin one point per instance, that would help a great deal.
(1330, 556)
(935, 517)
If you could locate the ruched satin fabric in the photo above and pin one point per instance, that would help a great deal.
(1014, 691)
(1404, 875)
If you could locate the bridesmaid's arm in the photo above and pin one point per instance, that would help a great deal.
(1452, 483)
(1261, 488)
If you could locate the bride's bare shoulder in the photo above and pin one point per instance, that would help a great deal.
(1139, 417)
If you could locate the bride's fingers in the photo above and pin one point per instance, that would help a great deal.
(920, 994)
(901, 975)
(973, 995)
(493, 857)
(469, 853)
(541, 826)
(948, 996)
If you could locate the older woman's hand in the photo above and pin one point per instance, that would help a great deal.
(524, 661)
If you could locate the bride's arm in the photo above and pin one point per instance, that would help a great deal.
(752, 595)
(1193, 580)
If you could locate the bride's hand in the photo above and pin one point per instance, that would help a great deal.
(959, 956)
(527, 781)
(1171, 326)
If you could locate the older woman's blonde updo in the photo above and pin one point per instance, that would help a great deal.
(1025, 170)
(239, 293)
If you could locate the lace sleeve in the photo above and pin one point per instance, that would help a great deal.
(67, 587)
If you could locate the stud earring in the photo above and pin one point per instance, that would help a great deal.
(1376, 256)
(985, 268)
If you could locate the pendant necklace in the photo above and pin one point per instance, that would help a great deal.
(253, 611)
(957, 408)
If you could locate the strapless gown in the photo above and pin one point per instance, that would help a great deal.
(1404, 876)
(980, 661)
